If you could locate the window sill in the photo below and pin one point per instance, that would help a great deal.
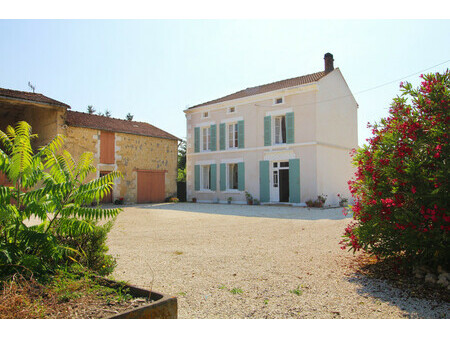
(206, 191)
(233, 191)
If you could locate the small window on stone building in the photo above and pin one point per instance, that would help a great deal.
(107, 147)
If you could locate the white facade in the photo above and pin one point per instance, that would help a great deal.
(313, 128)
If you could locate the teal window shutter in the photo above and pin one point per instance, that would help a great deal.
(222, 130)
(213, 139)
(264, 185)
(197, 139)
(241, 176)
(290, 129)
(267, 131)
(241, 134)
(294, 180)
(223, 176)
(197, 177)
(213, 177)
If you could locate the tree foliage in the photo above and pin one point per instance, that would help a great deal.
(90, 109)
(401, 187)
(181, 162)
(46, 189)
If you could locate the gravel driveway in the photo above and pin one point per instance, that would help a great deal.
(239, 261)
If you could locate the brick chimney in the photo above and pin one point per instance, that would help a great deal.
(328, 62)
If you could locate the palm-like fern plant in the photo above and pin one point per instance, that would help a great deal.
(47, 186)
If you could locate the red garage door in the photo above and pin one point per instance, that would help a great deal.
(151, 186)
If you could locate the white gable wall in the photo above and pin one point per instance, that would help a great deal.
(337, 134)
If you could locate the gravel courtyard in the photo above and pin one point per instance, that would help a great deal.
(239, 261)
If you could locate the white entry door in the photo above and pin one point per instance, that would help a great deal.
(276, 180)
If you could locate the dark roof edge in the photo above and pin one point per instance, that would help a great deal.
(56, 103)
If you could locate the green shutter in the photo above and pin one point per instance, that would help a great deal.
(264, 186)
(213, 177)
(294, 180)
(222, 130)
(197, 177)
(241, 176)
(213, 139)
(240, 134)
(290, 129)
(223, 176)
(267, 131)
(197, 139)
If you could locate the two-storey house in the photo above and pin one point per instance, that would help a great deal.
(287, 141)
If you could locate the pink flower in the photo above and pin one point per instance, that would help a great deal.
(413, 189)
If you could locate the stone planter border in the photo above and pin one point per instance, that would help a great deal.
(162, 307)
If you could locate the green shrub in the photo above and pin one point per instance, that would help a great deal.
(93, 249)
(401, 187)
(47, 185)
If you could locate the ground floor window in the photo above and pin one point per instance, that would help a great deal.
(233, 176)
(206, 177)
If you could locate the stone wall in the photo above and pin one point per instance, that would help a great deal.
(132, 152)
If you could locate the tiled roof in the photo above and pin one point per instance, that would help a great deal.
(77, 119)
(296, 81)
(28, 96)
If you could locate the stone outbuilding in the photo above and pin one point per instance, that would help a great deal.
(144, 154)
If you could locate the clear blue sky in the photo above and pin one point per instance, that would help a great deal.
(154, 69)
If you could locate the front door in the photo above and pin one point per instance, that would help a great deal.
(284, 185)
(279, 189)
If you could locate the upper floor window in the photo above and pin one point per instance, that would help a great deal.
(279, 129)
(231, 110)
(233, 135)
(205, 115)
(107, 147)
(278, 100)
(206, 177)
(206, 136)
(233, 176)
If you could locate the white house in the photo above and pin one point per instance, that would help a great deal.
(283, 142)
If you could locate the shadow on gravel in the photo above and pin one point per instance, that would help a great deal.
(385, 282)
(264, 211)
(384, 292)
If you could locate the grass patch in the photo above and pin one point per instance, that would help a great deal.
(298, 291)
(236, 291)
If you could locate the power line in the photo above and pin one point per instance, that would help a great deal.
(402, 78)
(365, 90)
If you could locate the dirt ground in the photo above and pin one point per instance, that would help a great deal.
(239, 261)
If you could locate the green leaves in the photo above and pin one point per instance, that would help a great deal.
(401, 185)
(47, 187)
